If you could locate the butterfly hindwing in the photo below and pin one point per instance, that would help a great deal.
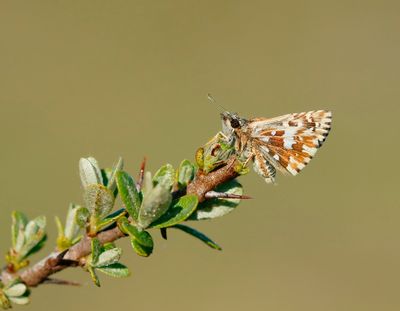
(263, 167)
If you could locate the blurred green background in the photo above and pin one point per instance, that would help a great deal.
(130, 78)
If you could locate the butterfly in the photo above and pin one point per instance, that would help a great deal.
(287, 143)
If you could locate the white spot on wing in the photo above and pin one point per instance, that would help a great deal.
(288, 143)
(291, 131)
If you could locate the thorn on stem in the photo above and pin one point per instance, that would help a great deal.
(141, 175)
(60, 282)
(223, 195)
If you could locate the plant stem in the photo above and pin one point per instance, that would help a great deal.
(58, 261)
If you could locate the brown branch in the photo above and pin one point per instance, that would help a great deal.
(204, 183)
(58, 261)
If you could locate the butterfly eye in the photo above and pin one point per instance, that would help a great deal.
(235, 123)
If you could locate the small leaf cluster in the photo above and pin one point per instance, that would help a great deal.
(99, 193)
(70, 234)
(27, 238)
(14, 292)
(153, 206)
(104, 258)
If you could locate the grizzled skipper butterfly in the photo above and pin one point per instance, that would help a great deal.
(287, 143)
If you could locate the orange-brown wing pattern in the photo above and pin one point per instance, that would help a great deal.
(289, 142)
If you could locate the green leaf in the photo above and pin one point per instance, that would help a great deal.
(20, 300)
(106, 175)
(98, 200)
(34, 226)
(117, 270)
(33, 246)
(143, 237)
(108, 245)
(76, 220)
(141, 241)
(108, 257)
(96, 250)
(165, 175)
(62, 242)
(35, 237)
(155, 203)
(185, 173)
(19, 221)
(16, 290)
(27, 238)
(202, 237)
(129, 194)
(90, 172)
(147, 184)
(94, 276)
(112, 183)
(20, 240)
(218, 207)
(141, 250)
(110, 219)
(81, 215)
(60, 229)
(178, 212)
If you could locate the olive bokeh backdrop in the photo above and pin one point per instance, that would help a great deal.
(130, 78)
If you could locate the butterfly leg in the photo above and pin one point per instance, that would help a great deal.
(219, 135)
(226, 139)
(223, 136)
(249, 158)
(240, 166)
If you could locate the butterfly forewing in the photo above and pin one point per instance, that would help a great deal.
(288, 142)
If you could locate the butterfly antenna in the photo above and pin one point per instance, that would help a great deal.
(212, 100)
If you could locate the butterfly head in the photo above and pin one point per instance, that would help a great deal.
(230, 122)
